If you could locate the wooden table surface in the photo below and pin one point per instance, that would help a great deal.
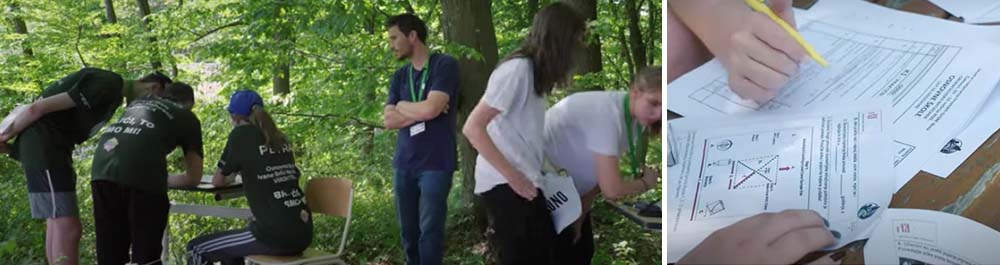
(971, 191)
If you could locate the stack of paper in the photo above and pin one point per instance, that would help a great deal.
(728, 169)
(929, 76)
(911, 236)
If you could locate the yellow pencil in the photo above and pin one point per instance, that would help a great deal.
(759, 6)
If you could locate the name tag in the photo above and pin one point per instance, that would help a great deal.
(417, 129)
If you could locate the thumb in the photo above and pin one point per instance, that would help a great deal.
(783, 8)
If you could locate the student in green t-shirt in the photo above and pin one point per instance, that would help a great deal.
(67, 113)
(262, 155)
(129, 177)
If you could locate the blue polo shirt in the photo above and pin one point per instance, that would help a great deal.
(433, 149)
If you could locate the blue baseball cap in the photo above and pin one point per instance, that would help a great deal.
(242, 102)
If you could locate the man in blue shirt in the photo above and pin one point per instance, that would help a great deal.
(421, 105)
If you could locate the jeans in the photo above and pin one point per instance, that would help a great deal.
(422, 206)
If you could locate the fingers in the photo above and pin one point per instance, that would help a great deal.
(747, 89)
(783, 8)
(793, 245)
(771, 58)
(757, 71)
(763, 76)
(527, 192)
(786, 221)
(776, 37)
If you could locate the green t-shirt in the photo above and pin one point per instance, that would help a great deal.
(271, 182)
(132, 152)
(97, 94)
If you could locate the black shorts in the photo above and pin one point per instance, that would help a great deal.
(48, 168)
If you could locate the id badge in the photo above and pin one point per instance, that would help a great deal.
(417, 129)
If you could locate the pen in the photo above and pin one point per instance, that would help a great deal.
(759, 6)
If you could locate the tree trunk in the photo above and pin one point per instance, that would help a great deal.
(529, 13)
(623, 42)
(590, 59)
(109, 11)
(638, 47)
(144, 13)
(371, 27)
(281, 79)
(409, 7)
(470, 23)
(20, 28)
(652, 37)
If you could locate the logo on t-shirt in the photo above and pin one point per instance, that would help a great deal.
(304, 215)
(110, 144)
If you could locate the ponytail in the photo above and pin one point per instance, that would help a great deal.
(273, 137)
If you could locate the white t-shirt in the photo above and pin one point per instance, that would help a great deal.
(518, 130)
(581, 125)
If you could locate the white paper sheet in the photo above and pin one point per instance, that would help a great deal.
(929, 75)
(954, 153)
(913, 236)
(731, 168)
(9, 120)
(972, 11)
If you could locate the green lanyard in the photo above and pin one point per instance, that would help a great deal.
(423, 80)
(629, 127)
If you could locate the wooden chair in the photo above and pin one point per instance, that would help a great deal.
(329, 196)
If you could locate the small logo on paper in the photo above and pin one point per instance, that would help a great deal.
(867, 210)
(724, 145)
(110, 144)
(953, 145)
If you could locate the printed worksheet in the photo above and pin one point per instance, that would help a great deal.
(952, 154)
(914, 236)
(928, 75)
(727, 169)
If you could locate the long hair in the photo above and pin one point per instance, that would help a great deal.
(273, 137)
(556, 32)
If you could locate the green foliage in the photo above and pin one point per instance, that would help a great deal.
(340, 68)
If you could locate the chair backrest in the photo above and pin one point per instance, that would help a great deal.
(330, 196)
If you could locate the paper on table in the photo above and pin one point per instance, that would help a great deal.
(972, 11)
(734, 167)
(952, 154)
(914, 236)
(930, 76)
(231, 180)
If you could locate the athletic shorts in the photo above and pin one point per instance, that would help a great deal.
(48, 167)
